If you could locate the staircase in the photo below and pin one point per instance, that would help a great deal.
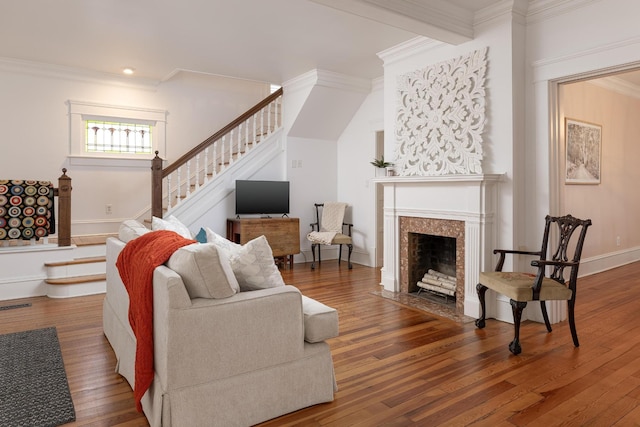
(84, 274)
(212, 158)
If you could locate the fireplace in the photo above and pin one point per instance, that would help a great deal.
(432, 244)
(462, 207)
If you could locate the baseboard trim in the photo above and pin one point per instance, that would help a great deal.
(600, 263)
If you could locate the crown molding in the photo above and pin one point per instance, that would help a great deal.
(438, 19)
(330, 79)
(516, 9)
(406, 49)
(74, 74)
(541, 10)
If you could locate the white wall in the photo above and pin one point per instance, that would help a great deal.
(356, 149)
(318, 106)
(35, 124)
(313, 180)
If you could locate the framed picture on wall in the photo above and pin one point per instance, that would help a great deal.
(583, 152)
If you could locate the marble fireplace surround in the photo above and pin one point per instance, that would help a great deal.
(468, 199)
(432, 227)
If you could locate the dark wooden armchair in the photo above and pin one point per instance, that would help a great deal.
(329, 229)
(524, 287)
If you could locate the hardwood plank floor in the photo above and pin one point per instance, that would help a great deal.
(398, 366)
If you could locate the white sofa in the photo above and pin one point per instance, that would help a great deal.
(234, 361)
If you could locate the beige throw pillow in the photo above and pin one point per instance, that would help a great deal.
(225, 244)
(131, 229)
(171, 223)
(252, 263)
(254, 266)
(205, 271)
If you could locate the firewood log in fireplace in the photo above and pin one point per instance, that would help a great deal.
(437, 282)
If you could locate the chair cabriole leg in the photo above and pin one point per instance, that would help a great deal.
(545, 316)
(349, 257)
(313, 253)
(481, 289)
(572, 323)
(518, 307)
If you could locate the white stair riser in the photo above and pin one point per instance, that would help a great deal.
(73, 270)
(89, 251)
(76, 290)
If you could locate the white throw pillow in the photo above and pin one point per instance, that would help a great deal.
(205, 271)
(171, 223)
(252, 263)
(226, 245)
(131, 229)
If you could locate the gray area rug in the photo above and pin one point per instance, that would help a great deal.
(33, 383)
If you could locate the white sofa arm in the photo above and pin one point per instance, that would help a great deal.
(200, 342)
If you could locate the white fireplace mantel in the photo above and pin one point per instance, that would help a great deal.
(469, 198)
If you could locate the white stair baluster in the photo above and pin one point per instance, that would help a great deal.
(188, 179)
(239, 141)
(255, 132)
(214, 160)
(168, 196)
(231, 147)
(246, 135)
(197, 174)
(206, 164)
(269, 118)
(223, 164)
(178, 185)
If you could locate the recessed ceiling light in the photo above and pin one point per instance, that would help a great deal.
(128, 71)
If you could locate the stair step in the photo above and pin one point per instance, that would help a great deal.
(95, 239)
(76, 261)
(77, 279)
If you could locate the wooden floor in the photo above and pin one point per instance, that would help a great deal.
(398, 366)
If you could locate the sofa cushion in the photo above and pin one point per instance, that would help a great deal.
(320, 321)
(205, 271)
(171, 223)
(131, 229)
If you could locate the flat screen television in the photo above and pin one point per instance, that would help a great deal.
(262, 197)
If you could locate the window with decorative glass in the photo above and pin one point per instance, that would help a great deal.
(117, 137)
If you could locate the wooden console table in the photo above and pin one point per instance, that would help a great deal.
(283, 234)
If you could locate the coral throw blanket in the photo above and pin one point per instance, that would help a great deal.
(136, 263)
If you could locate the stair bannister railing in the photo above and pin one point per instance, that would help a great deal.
(181, 178)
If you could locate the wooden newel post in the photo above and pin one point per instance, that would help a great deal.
(64, 209)
(156, 186)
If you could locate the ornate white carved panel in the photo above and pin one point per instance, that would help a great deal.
(441, 118)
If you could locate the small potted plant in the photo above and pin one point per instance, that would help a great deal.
(383, 167)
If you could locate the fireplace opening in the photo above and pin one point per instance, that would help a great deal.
(432, 267)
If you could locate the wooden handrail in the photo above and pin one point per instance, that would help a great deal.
(225, 130)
